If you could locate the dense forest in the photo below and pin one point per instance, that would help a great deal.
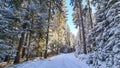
(99, 34)
(31, 29)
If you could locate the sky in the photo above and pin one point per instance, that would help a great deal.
(69, 21)
(70, 11)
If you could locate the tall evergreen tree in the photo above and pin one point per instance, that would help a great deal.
(104, 37)
(78, 4)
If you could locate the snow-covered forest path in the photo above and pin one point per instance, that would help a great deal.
(60, 61)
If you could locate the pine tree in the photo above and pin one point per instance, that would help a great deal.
(7, 32)
(105, 37)
(78, 4)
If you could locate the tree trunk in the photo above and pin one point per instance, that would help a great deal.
(83, 31)
(20, 45)
(19, 50)
(28, 44)
(47, 37)
(90, 15)
(25, 42)
(58, 33)
(23, 52)
(80, 37)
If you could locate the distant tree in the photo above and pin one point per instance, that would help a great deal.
(78, 4)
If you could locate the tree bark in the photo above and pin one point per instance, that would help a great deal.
(19, 50)
(47, 37)
(80, 37)
(25, 42)
(20, 45)
(83, 31)
(28, 44)
(90, 15)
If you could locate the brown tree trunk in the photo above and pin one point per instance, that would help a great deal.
(20, 45)
(19, 50)
(58, 33)
(83, 31)
(47, 37)
(90, 15)
(25, 42)
(28, 44)
(58, 44)
(23, 52)
(80, 37)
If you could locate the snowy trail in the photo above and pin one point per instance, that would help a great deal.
(60, 61)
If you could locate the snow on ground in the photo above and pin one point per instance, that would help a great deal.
(60, 61)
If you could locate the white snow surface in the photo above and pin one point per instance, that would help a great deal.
(59, 61)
